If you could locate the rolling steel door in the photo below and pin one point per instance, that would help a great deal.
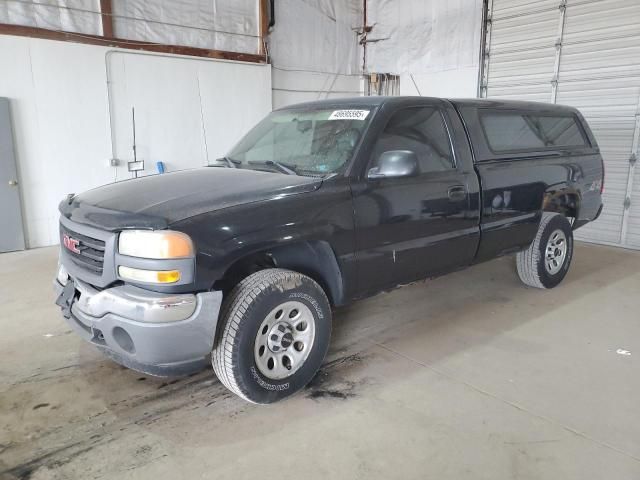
(583, 53)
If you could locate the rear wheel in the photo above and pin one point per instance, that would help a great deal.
(546, 262)
(274, 334)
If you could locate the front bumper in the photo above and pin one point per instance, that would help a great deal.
(154, 333)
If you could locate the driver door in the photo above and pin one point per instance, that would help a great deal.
(413, 227)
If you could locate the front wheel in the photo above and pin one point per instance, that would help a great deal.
(274, 335)
(546, 262)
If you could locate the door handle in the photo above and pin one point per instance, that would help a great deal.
(13, 183)
(457, 193)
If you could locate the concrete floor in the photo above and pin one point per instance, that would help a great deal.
(468, 376)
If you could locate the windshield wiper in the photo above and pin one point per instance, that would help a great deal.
(284, 168)
(230, 162)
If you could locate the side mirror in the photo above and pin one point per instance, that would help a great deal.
(394, 164)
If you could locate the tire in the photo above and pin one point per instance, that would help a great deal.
(535, 267)
(249, 323)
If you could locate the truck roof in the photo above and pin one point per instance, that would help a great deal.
(376, 101)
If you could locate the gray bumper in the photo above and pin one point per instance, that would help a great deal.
(158, 334)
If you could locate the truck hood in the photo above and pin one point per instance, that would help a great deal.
(159, 200)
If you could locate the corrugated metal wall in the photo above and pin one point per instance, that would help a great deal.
(584, 53)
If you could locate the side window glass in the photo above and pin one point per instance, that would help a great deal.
(560, 131)
(512, 132)
(421, 130)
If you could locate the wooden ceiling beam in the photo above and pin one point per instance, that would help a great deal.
(106, 12)
(263, 18)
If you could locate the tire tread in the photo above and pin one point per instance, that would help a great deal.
(224, 355)
(528, 260)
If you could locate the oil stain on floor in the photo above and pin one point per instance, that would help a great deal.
(160, 404)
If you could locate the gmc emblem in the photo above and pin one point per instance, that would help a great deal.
(70, 243)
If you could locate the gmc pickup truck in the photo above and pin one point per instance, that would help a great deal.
(240, 263)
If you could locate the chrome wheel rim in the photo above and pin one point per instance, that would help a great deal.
(556, 252)
(284, 340)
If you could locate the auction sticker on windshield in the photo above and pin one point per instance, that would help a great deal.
(349, 115)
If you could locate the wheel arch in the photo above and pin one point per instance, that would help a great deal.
(314, 258)
(565, 202)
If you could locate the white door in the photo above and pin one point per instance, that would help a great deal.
(587, 55)
(12, 233)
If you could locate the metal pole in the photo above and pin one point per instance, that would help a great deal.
(556, 67)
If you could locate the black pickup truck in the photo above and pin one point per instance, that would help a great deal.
(240, 263)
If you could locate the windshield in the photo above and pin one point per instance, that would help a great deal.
(304, 142)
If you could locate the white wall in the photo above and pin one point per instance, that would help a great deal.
(80, 16)
(431, 44)
(188, 111)
(60, 107)
(436, 42)
(216, 24)
(314, 50)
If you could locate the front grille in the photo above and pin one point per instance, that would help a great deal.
(91, 256)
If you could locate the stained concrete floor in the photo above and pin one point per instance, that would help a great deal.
(471, 376)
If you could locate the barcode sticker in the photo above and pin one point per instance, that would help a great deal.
(349, 115)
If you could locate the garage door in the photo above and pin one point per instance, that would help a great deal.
(584, 53)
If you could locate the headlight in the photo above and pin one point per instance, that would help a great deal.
(156, 244)
(148, 276)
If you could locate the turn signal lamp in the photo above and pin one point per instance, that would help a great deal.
(148, 276)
